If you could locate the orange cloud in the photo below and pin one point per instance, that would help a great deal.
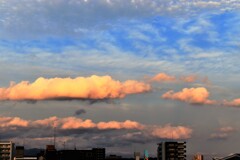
(120, 125)
(12, 122)
(73, 123)
(169, 132)
(190, 95)
(163, 77)
(233, 103)
(94, 87)
(78, 123)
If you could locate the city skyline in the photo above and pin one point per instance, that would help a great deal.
(121, 74)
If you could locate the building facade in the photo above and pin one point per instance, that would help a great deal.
(6, 150)
(94, 154)
(171, 150)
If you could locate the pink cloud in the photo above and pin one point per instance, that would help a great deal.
(198, 95)
(223, 133)
(13, 122)
(73, 123)
(171, 132)
(163, 77)
(189, 79)
(94, 87)
(120, 125)
(233, 103)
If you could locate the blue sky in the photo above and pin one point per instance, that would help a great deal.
(128, 40)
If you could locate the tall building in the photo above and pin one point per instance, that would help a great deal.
(6, 150)
(98, 153)
(171, 150)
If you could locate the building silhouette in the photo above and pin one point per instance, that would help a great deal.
(19, 152)
(93, 154)
(6, 150)
(171, 150)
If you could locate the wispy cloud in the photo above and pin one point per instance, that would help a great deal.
(223, 133)
(35, 18)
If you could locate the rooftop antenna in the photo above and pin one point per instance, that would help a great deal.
(75, 148)
(64, 145)
(54, 136)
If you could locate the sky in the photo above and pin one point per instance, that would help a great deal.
(121, 74)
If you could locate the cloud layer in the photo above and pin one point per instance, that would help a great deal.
(94, 87)
(72, 126)
(45, 17)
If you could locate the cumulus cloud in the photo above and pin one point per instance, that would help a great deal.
(171, 132)
(8, 122)
(198, 95)
(94, 87)
(233, 103)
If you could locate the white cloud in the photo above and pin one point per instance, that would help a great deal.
(32, 18)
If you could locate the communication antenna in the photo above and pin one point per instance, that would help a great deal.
(64, 145)
(54, 136)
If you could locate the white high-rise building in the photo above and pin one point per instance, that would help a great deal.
(6, 150)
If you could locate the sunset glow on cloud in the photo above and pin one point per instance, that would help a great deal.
(233, 103)
(189, 79)
(190, 95)
(94, 87)
(163, 77)
(171, 132)
(8, 122)
(73, 123)
(121, 74)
